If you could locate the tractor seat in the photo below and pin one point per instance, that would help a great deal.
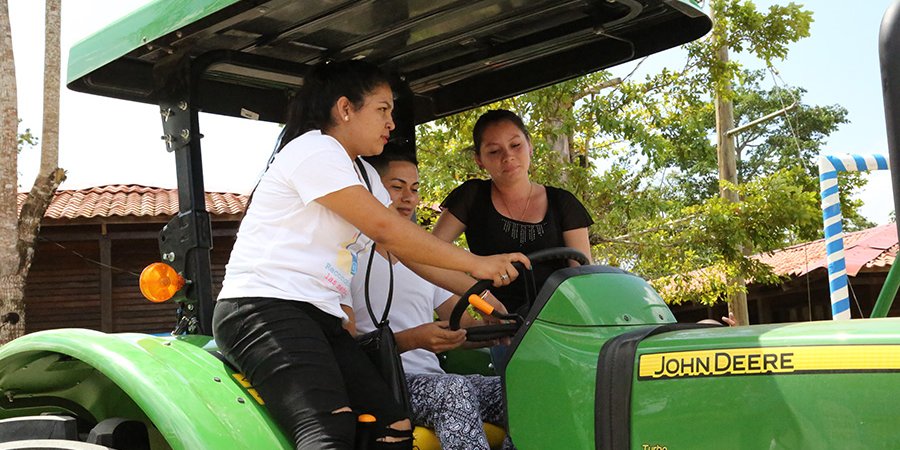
(425, 439)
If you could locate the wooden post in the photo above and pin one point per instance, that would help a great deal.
(728, 169)
(106, 306)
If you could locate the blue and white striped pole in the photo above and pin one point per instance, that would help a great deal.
(829, 166)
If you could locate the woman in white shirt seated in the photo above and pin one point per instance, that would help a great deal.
(278, 318)
(453, 405)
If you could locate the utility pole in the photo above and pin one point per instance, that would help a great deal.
(728, 165)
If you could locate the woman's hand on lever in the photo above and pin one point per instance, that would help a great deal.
(499, 268)
(485, 319)
(435, 337)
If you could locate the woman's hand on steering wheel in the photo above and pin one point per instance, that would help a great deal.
(491, 332)
(499, 268)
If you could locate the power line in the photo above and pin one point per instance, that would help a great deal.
(87, 259)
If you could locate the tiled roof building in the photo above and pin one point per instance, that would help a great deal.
(129, 200)
(868, 254)
(95, 241)
(92, 246)
(873, 249)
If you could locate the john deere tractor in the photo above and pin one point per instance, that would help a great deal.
(599, 361)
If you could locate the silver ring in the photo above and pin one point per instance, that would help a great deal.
(504, 276)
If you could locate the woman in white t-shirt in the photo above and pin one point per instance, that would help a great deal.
(278, 317)
(454, 405)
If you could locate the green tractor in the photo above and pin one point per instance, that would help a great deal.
(598, 362)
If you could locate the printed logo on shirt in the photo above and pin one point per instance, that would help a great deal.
(336, 279)
(346, 263)
(348, 255)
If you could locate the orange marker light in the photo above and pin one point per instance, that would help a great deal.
(159, 282)
(480, 304)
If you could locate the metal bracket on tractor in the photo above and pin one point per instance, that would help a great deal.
(185, 242)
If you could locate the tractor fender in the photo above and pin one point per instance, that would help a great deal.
(191, 397)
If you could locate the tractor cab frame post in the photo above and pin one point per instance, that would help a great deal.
(186, 241)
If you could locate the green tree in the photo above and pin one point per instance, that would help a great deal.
(640, 156)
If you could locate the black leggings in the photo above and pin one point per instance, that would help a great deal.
(305, 366)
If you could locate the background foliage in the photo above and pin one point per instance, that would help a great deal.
(642, 157)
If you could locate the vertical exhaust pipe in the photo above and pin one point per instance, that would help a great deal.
(889, 55)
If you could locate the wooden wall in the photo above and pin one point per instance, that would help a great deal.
(63, 289)
(799, 299)
(86, 276)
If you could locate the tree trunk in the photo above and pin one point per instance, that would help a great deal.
(12, 320)
(52, 70)
(559, 140)
(19, 229)
(11, 288)
(50, 176)
(9, 125)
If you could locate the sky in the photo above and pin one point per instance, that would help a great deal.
(106, 141)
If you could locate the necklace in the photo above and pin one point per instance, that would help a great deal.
(527, 202)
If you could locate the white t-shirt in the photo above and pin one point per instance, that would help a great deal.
(291, 247)
(413, 304)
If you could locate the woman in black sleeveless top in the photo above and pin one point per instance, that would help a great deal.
(509, 212)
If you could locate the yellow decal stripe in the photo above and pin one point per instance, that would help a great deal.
(769, 360)
(256, 396)
(245, 383)
(241, 379)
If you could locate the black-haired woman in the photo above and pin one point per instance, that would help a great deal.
(278, 317)
(509, 212)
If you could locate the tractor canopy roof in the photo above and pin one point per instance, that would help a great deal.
(453, 54)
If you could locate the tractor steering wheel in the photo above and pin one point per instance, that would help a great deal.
(489, 332)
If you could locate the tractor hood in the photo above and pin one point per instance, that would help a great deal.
(454, 54)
